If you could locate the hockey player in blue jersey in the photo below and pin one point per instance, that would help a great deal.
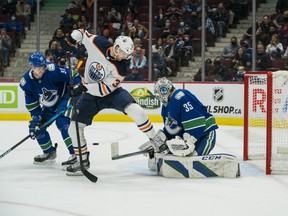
(189, 130)
(104, 71)
(45, 88)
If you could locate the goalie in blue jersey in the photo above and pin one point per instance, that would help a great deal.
(45, 87)
(189, 130)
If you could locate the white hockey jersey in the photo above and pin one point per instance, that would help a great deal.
(102, 74)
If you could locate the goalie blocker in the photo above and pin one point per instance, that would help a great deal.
(213, 165)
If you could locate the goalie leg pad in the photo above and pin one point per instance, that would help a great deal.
(214, 165)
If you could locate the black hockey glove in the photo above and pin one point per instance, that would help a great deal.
(70, 41)
(77, 90)
(34, 126)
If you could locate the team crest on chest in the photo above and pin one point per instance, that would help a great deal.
(96, 72)
(49, 97)
(171, 125)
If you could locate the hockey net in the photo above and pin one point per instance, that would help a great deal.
(266, 119)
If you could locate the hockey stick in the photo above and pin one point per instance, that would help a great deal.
(41, 127)
(115, 152)
(85, 172)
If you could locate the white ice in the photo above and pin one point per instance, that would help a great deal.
(126, 187)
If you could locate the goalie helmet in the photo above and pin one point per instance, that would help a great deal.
(36, 59)
(125, 44)
(162, 89)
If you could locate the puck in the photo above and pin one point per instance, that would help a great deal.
(95, 143)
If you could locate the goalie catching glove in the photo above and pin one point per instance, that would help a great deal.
(182, 147)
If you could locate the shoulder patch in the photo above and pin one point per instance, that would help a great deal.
(50, 67)
(179, 95)
(22, 81)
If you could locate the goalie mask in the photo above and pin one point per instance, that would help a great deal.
(162, 90)
(125, 45)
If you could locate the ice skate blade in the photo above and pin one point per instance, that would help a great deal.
(47, 162)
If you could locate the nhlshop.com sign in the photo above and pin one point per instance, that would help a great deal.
(8, 96)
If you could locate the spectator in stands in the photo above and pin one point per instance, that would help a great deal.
(134, 75)
(173, 12)
(265, 24)
(222, 19)
(240, 59)
(72, 4)
(67, 23)
(262, 37)
(24, 9)
(195, 21)
(171, 52)
(56, 49)
(84, 23)
(159, 19)
(114, 16)
(159, 46)
(209, 72)
(13, 25)
(263, 59)
(186, 7)
(234, 13)
(221, 72)
(9, 7)
(185, 50)
(49, 56)
(230, 50)
(239, 75)
(105, 34)
(168, 29)
(62, 41)
(101, 17)
(129, 16)
(281, 6)
(281, 21)
(138, 60)
(141, 31)
(210, 31)
(247, 36)
(5, 45)
(158, 65)
(275, 48)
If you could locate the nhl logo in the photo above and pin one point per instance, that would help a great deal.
(218, 94)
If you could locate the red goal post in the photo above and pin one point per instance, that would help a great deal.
(266, 119)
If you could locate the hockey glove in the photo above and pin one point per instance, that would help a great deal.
(159, 142)
(182, 147)
(70, 41)
(34, 126)
(77, 90)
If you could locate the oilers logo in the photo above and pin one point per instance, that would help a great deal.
(49, 97)
(96, 72)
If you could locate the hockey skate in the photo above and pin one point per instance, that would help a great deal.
(75, 169)
(71, 160)
(46, 158)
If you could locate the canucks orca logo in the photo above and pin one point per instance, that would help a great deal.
(48, 98)
(171, 125)
(96, 72)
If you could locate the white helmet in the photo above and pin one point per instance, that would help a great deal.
(162, 89)
(125, 44)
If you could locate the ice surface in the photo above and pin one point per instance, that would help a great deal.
(126, 187)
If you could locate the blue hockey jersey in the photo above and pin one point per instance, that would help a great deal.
(185, 113)
(47, 91)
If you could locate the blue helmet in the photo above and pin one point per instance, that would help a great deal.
(36, 59)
